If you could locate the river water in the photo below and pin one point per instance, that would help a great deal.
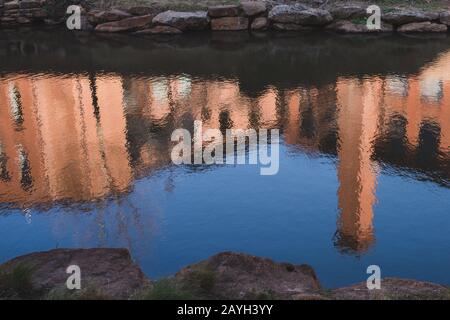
(364, 162)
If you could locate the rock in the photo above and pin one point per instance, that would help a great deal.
(160, 30)
(7, 20)
(394, 289)
(239, 276)
(128, 24)
(299, 15)
(403, 16)
(223, 11)
(444, 18)
(259, 23)
(422, 27)
(99, 17)
(253, 8)
(292, 27)
(11, 5)
(110, 271)
(29, 4)
(140, 11)
(229, 24)
(183, 20)
(348, 11)
(345, 26)
(23, 20)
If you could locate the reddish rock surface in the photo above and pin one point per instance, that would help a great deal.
(394, 289)
(110, 271)
(240, 276)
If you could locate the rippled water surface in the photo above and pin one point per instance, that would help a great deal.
(85, 127)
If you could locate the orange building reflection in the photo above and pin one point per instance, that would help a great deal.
(82, 138)
(57, 144)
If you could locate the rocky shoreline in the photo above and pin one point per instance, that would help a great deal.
(253, 16)
(111, 274)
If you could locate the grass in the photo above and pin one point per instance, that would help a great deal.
(88, 293)
(16, 283)
(360, 21)
(198, 284)
(166, 289)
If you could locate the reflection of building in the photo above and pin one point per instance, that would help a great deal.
(62, 139)
(83, 137)
(358, 106)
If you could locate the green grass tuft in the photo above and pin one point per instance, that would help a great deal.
(16, 283)
(165, 289)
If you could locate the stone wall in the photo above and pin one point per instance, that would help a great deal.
(22, 12)
(248, 15)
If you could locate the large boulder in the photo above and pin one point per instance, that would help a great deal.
(348, 11)
(253, 8)
(393, 289)
(223, 11)
(444, 18)
(403, 16)
(128, 24)
(426, 26)
(110, 272)
(197, 20)
(229, 24)
(299, 15)
(345, 26)
(231, 275)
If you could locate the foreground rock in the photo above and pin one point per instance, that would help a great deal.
(240, 276)
(184, 21)
(109, 272)
(394, 289)
(299, 15)
(422, 27)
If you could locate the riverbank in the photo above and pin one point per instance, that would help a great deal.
(111, 274)
(161, 17)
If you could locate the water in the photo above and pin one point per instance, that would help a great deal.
(85, 126)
